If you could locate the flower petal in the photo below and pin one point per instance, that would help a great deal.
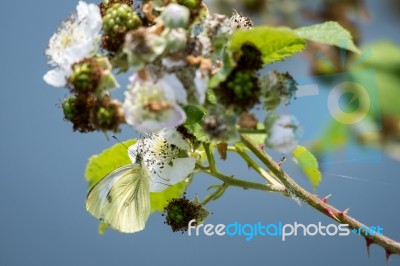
(171, 175)
(174, 117)
(174, 137)
(283, 134)
(56, 77)
(170, 80)
(201, 84)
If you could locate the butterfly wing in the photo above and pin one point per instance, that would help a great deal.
(122, 199)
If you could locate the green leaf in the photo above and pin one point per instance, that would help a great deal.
(258, 138)
(334, 137)
(194, 114)
(159, 200)
(102, 228)
(379, 75)
(211, 97)
(329, 33)
(309, 164)
(99, 166)
(274, 43)
(197, 131)
(107, 161)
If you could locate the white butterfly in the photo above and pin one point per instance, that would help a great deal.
(122, 198)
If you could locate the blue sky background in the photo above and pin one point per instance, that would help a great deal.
(42, 190)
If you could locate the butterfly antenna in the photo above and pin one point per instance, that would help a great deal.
(123, 144)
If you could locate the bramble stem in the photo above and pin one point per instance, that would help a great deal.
(292, 187)
(257, 168)
(210, 157)
(240, 183)
(216, 194)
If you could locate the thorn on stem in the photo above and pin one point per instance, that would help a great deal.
(261, 147)
(331, 214)
(283, 159)
(368, 243)
(344, 212)
(388, 253)
(324, 200)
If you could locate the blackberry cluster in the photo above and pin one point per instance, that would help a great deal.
(241, 90)
(90, 108)
(180, 211)
(118, 19)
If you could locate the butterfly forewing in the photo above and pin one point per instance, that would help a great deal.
(122, 199)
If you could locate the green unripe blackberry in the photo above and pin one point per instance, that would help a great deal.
(120, 18)
(86, 76)
(106, 4)
(77, 111)
(69, 109)
(107, 114)
(239, 91)
(241, 84)
(104, 115)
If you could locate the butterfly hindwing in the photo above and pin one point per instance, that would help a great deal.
(122, 199)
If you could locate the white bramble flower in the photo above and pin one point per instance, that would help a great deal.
(152, 105)
(283, 134)
(142, 46)
(165, 156)
(74, 40)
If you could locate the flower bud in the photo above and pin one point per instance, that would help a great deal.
(176, 39)
(282, 132)
(86, 76)
(176, 16)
